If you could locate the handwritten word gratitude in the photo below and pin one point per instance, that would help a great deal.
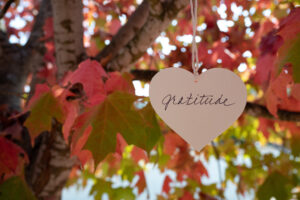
(193, 99)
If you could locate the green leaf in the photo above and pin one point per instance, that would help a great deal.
(276, 185)
(289, 54)
(118, 114)
(42, 112)
(15, 189)
(104, 187)
(295, 141)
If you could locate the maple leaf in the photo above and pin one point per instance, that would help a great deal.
(277, 92)
(119, 82)
(103, 186)
(9, 156)
(296, 91)
(290, 26)
(265, 125)
(288, 54)
(264, 67)
(275, 185)
(186, 196)
(114, 26)
(93, 49)
(138, 154)
(172, 142)
(42, 111)
(40, 89)
(90, 74)
(166, 185)
(117, 114)
(15, 188)
(141, 183)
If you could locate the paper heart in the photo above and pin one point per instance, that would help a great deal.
(198, 110)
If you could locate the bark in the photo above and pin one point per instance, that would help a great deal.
(50, 164)
(35, 45)
(12, 73)
(160, 15)
(50, 159)
(68, 34)
(125, 34)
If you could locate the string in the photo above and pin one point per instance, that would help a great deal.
(195, 59)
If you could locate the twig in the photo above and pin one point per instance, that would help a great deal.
(5, 8)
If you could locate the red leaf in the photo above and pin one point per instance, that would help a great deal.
(9, 156)
(92, 50)
(90, 74)
(277, 92)
(114, 26)
(40, 89)
(48, 73)
(77, 147)
(48, 29)
(121, 144)
(290, 26)
(264, 67)
(187, 196)
(138, 154)
(265, 125)
(120, 82)
(172, 141)
(71, 109)
(296, 91)
(84, 156)
(166, 185)
(141, 184)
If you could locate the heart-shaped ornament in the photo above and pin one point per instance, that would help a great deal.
(198, 110)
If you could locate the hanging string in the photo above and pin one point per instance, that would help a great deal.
(195, 59)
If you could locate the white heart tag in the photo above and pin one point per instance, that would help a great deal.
(198, 111)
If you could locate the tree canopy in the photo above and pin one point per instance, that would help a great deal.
(70, 114)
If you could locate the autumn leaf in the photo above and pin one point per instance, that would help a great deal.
(41, 113)
(103, 186)
(15, 189)
(276, 94)
(118, 114)
(141, 183)
(265, 125)
(187, 196)
(289, 55)
(9, 156)
(275, 185)
(264, 67)
(90, 74)
(166, 185)
(119, 82)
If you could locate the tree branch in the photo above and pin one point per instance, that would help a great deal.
(160, 15)
(35, 47)
(252, 109)
(12, 58)
(37, 31)
(68, 34)
(125, 34)
(5, 8)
